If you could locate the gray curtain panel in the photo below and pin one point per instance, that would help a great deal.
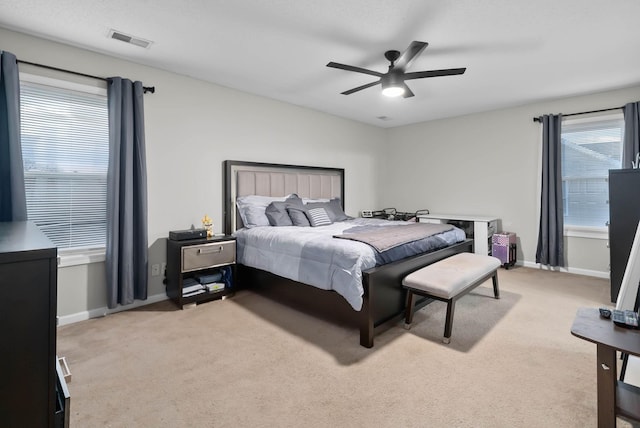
(631, 145)
(127, 252)
(550, 250)
(13, 204)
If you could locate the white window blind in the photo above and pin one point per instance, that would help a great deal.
(65, 149)
(590, 148)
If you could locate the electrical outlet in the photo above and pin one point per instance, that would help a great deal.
(155, 270)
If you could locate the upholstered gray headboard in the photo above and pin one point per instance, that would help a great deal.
(266, 179)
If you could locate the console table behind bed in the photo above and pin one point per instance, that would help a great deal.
(384, 297)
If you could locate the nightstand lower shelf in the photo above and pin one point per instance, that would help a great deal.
(207, 296)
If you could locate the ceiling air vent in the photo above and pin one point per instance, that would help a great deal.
(119, 35)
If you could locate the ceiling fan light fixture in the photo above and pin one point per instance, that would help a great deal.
(393, 81)
(392, 85)
(393, 91)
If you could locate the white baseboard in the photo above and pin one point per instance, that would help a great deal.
(104, 311)
(575, 271)
(101, 312)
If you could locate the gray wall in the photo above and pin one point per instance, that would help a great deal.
(191, 128)
(485, 164)
(489, 164)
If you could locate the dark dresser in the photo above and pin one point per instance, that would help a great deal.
(624, 214)
(28, 288)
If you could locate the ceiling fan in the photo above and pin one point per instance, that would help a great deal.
(393, 81)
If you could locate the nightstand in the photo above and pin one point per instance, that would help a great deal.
(210, 261)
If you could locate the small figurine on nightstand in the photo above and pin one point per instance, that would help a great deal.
(207, 223)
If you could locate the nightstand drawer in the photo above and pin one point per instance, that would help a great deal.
(203, 256)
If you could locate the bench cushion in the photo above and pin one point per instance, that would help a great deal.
(448, 277)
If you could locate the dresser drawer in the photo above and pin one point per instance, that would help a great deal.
(203, 256)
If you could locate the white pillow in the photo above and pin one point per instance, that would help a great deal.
(252, 209)
(307, 200)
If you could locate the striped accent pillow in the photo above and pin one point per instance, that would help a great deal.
(318, 217)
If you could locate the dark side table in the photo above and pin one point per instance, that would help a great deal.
(615, 398)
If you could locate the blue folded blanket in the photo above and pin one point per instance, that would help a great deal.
(209, 278)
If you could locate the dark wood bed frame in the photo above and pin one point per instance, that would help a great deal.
(384, 297)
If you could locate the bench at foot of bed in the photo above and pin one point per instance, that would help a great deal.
(449, 279)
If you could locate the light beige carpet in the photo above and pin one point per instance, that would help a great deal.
(251, 362)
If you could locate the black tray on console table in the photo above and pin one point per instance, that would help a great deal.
(393, 214)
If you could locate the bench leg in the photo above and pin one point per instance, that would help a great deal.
(408, 312)
(496, 290)
(448, 325)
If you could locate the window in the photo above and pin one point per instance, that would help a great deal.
(65, 150)
(590, 148)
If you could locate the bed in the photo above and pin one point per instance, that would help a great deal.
(356, 285)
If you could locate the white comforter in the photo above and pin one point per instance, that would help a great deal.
(311, 255)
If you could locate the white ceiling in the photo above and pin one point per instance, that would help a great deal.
(516, 51)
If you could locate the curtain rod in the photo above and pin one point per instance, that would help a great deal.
(537, 119)
(145, 89)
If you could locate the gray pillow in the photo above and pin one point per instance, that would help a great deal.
(277, 213)
(298, 216)
(318, 217)
(338, 212)
(333, 209)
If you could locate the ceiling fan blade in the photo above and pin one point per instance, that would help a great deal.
(434, 73)
(407, 92)
(359, 88)
(409, 55)
(353, 68)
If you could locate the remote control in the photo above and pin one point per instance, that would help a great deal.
(628, 319)
(617, 316)
(631, 319)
